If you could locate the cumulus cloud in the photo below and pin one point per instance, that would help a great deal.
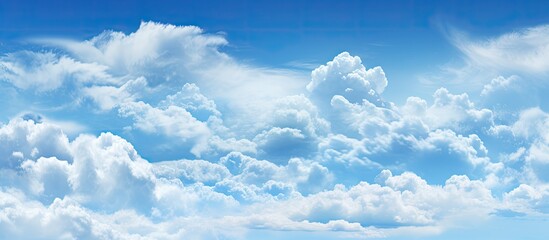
(105, 186)
(345, 75)
(22, 140)
(373, 210)
(275, 153)
(187, 117)
(172, 121)
(449, 110)
(191, 99)
(108, 97)
(499, 83)
(532, 126)
(413, 136)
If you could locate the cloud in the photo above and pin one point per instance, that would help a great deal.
(345, 75)
(169, 56)
(104, 189)
(449, 110)
(108, 97)
(192, 100)
(524, 51)
(499, 83)
(274, 152)
(414, 136)
(63, 219)
(187, 117)
(22, 140)
(46, 71)
(155, 51)
(107, 173)
(171, 121)
(300, 175)
(527, 199)
(402, 200)
(533, 125)
(48, 177)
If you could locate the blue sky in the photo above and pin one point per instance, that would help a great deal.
(274, 120)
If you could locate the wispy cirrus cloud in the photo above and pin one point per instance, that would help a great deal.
(524, 51)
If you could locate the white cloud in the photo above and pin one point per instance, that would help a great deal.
(289, 162)
(341, 149)
(530, 133)
(66, 219)
(168, 55)
(187, 117)
(456, 112)
(107, 173)
(31, 141)
(366, 119)
(192, 100)
(63, 219)
(304, 176)
(527, 199)
(413, 136)
(345, 75)
(191, 171)
(471, 148)
(171, 121)
(532, 123)
(155, 51)
(403, 200)
(498, 83)
(48, 177)
(46, 71)
(524, 51)
(108, 97)
(106, 190)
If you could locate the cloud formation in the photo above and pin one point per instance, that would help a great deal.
(255, 148)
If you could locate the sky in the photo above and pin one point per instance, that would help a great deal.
(274, 120)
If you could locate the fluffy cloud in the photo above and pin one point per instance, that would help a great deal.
(105, 174)
(168, 56)
(402, 200)
(499, 83)
(187, 117)
(414, 136)
(449, 111)
(155, 51)
(345, 75)
(108, 97)
(63, 219)
(292, 128)
(172, 121)
(22, 140)
(46, 71)
(192, 100)
(276, 153)
(532, 125)
(527, 199)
